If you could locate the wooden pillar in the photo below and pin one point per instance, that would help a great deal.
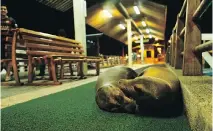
(179, 44)
(79, 11)
(142, 48)
(129, 39)
(173, 43)
(170, 51)
(192, 63)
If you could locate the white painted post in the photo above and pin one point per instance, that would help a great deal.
(129, 39)
(79, 11)
(142, 48)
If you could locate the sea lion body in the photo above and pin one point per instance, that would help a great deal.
(113, 75)
(109, 97)
(156, 87)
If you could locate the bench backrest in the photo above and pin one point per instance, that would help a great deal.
(40, 44)
(7, 45)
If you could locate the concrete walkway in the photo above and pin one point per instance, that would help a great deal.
(19, 94)
(197, 94)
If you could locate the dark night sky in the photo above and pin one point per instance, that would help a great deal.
(32, 15)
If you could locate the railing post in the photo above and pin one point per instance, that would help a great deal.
(192, 64)
(173, 44)
(179, 44)
(170, 51)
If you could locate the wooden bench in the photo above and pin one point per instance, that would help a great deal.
(56, 51)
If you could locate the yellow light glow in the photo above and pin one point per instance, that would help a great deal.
(122, 26)
(169, 41)
(147, 31)
(107, 13)
(136, 10)
(156, 39)
(144, 23)
(135, 38)
(150, 36)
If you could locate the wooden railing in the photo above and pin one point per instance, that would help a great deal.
(185, 50)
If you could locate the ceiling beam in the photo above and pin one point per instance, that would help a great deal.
(124, 12)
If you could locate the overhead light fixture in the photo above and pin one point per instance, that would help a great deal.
(107, 13)
(122, 26)
(136, 9)
(144, 23)
(147, 31)
(170, 41)
(156, 39)
(150, 36)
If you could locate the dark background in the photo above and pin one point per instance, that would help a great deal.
(33, 15)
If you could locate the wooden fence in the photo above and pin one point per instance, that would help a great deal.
(185, 50)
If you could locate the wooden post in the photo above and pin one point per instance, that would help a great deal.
(49, 70)
(53, 70)
(129, 39)
(79, 12)
(192, 63)
(170, 51)
(179, 44)
(173, 49)
(14, 63)
(30, 69)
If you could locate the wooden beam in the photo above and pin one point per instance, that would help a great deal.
(192, 64)
(182, 33)
(203, 47)
(179, 45)
(183, 9)
(201, 9)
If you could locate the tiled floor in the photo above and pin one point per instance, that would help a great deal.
(19, 94)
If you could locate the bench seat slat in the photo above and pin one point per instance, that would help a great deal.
(50, 54)
(47, 47)
(85, 60)
(49, 41)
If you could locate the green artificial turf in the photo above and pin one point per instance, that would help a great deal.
(76, 110)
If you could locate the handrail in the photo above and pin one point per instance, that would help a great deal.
(182, 32)
(175, 27)
(204, 5)
(207, 46)
(183, 9)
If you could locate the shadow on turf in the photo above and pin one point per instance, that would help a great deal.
(160, 109)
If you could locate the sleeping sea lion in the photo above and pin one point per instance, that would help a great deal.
(109, 96)
(156, 88)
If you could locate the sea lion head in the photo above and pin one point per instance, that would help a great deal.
(111, 98)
